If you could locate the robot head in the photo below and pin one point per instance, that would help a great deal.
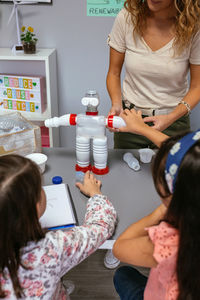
(91, 101)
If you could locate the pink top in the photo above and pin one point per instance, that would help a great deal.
(162, 282)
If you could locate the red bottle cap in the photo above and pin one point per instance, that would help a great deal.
(91, 113)
(110, 121)
(100, 171)
(72, 119)
(83, 169)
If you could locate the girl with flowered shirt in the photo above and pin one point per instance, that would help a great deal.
(168, 239)
(32, 261)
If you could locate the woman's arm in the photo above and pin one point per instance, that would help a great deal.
(113, 80)
(192, 98)
(134, 245)
(135, 124)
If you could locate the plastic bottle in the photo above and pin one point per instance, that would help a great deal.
(85, 120)
(114, 122)
(91, 100)
(132, 162)
(79, 176)
(65, 120)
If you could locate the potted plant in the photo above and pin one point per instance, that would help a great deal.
(28, 39)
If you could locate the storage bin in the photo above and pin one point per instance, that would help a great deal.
(18, 135)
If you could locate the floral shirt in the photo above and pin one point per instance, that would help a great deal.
(162, 282)
(50, 258)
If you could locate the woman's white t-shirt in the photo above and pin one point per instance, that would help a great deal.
(153, 79)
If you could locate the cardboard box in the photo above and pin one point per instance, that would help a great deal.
(18, 135)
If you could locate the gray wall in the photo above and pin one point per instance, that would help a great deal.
(82, 52)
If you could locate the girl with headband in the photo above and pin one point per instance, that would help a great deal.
(168, 239)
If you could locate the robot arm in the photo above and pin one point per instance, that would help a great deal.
(71, 119)
(65, 120)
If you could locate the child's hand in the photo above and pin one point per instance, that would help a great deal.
(90, 186)
(134, 122)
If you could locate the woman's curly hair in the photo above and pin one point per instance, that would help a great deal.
(186, 25)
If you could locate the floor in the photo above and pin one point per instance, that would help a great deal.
(92, 280)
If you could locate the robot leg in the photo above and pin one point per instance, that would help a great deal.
(100, 155)
(83, 154)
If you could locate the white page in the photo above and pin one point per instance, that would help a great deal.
(59, 209)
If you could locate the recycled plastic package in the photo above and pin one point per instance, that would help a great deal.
(18, 135)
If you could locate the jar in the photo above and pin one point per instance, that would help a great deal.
(29, 48)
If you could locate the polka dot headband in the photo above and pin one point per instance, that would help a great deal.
(176, 155)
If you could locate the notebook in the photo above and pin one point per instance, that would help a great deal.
(59, 211)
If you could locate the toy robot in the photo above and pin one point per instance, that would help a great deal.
(89, 127)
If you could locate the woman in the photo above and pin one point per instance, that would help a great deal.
(158, 41)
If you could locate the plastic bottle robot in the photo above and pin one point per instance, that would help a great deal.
(89, 127)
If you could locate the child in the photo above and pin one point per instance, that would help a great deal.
(167, 240)
(33, 261)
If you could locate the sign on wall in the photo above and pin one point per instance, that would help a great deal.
(105, 8)
(22, 93)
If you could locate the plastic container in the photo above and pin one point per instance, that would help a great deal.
(90, 126)
(146, 155)
(40, 159)
(132, 162)
(18, 135)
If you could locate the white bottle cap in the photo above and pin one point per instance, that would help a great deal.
(90, 101)
(91, 92)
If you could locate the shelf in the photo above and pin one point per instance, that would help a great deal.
(42, 63)
(41, 54)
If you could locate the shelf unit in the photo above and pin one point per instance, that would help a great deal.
(42, 63)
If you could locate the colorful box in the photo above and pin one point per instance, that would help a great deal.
(23, 93)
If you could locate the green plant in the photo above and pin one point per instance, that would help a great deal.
(27, 35)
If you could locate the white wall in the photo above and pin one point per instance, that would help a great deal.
(82, 52)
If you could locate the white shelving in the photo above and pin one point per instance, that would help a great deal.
(42, 63)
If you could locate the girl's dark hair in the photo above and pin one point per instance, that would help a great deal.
(183, 213)
(20, 190)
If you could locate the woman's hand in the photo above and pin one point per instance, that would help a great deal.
(159, 122)
(90, 186)
(134, 122)
(115, 110)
